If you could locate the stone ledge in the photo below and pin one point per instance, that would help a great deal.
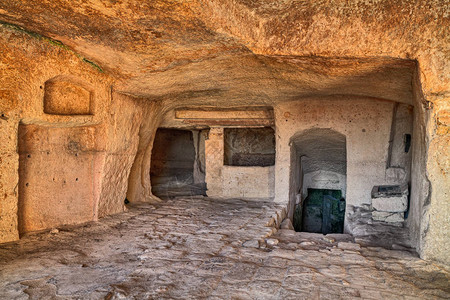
(389, 217)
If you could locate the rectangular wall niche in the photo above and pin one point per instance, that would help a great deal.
(249, 147)
(63, 97)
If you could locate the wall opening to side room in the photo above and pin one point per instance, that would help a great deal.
(176, 166)
(252, 147)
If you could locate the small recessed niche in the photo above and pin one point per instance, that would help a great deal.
(65, 95)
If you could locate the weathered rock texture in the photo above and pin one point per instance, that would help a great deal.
(126, 117)
(209, 248)
(126, 66)
(366, 127)
(27, 64)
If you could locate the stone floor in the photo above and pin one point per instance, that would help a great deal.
(196, 248)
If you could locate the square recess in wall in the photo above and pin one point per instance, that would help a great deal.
(66, 97)
(248, 147)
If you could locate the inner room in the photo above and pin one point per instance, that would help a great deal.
(341, 149)
(178, 165)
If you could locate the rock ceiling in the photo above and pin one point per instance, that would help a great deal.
(263, 51)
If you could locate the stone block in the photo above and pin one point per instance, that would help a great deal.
(379, 191)
(389, 217)
(287, 224)
(395, 174)
(390, 198)
(271, 242)
(349, 246)
(251, 244)
(390, 204)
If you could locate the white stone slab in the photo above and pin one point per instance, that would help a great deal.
(390, 204)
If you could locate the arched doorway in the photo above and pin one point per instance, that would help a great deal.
(318, 180)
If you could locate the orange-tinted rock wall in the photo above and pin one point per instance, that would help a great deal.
(219, 53)
(60, 171)
(53, 161)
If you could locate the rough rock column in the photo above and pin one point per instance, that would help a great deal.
(435, 227)
(9, 176)
(214, 162)
(139, 186)
(282, 160)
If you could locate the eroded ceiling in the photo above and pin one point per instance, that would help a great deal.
(261, 51)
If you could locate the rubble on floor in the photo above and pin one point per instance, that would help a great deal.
(370, 232)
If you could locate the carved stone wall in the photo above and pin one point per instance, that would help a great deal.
(60, 172)
(234, 181)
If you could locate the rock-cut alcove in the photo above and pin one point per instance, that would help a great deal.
(66, 95)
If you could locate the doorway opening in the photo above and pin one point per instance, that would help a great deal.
(323, 211)
(318, 181)
(177, 167)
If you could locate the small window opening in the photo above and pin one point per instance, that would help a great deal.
(407, 142)
(249, 147)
